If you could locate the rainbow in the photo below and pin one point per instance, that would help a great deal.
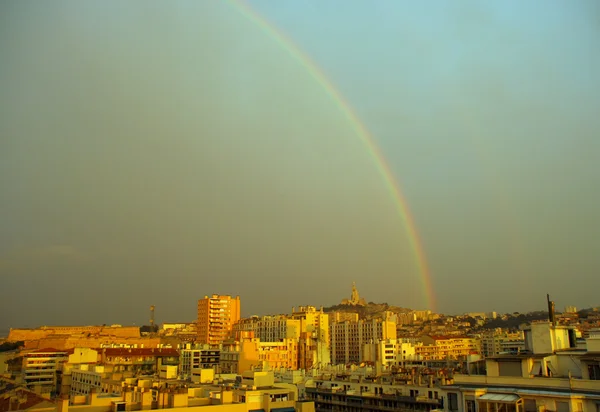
(361, 131)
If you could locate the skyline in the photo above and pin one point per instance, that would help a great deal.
(137, 321)
(150, 156)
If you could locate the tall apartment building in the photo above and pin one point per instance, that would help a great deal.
(499, 341)
(216, 316)
(349, 338)
(308, 326)
(315, 324)
(42, 369)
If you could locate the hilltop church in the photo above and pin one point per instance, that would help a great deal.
(355, 299)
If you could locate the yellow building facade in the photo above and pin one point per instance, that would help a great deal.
(447, 347)
(216, 316)
(349, 338)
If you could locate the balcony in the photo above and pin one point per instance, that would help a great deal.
(559, 384)
(144, 362)
(170, 362)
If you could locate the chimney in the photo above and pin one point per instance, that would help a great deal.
(551, 309)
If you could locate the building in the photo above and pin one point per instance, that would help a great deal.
(348, 338)
(86, 380)
(42, 370)
(196, 357)
(447, 347)
(389, 352)
(79, 358)
(570, 309)
(315, 326)
(355, 299)
(350, 392)
(307, 326)
(114, 331)
(18, 398)
(216, 316)
(270, 328)
(500, 341)
(343, 317)
(252, 391)
(551, 374)
(134, 361)
(248, 353)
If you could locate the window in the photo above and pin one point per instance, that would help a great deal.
(470, 406)
(594, 371)
(530, 405)
(562, 406)
(452, 401)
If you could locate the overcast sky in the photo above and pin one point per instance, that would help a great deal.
(157, 152)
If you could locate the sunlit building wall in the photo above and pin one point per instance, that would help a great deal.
(348, 338)
(216, 316)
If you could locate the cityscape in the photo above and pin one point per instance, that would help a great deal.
(355, 355)
(300, 206)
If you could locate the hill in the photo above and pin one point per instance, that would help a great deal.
(369, 311)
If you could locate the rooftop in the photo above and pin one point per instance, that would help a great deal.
(157, 352)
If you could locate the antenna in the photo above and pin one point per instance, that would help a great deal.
(152, 317)
(551, 316)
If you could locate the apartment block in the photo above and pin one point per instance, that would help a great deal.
(248, 353)
(343, 317)
(197, 357)
(270, 328)
(86, 380)
(308, 326)
(552, 374)
(448, 347)
(216, 316)
(139, 360)
(348, 338)
(501, 341)
(315, 323)
(389, 352)
(42, 370)
(383, 393)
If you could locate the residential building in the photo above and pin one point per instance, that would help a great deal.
(348, 338)
(249, 353)
(389, 352)
(500, 341)
(86, 380)
(308, 326)
(139, 360)
(447, 347)
(195, 357)
(551, 374)
(42, 370)
(315, 323)
(251, 392)
(374, 393)
(216, 316)
(270, 328)
(343, 317)
(78, 358)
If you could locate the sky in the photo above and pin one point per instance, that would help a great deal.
(153, 153)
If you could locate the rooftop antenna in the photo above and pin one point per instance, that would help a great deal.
(551, 316)
(152, 317)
